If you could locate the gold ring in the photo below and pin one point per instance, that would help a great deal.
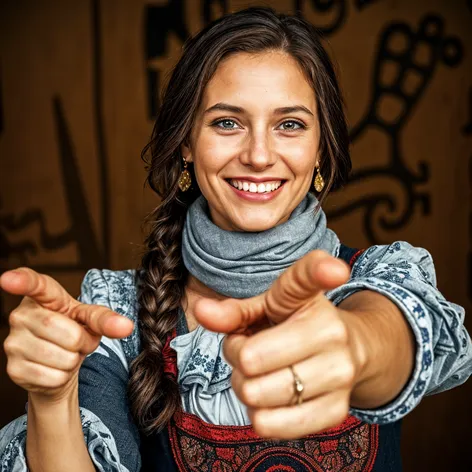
(298, 386)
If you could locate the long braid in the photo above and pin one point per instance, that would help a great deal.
(154, 395)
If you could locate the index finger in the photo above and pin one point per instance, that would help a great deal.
(44, 290)
(102, 321)
(309, 277)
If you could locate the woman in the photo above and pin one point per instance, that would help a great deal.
(324, 361)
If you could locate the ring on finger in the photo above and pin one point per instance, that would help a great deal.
(298, 386)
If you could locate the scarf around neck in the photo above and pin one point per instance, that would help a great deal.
(244, 264)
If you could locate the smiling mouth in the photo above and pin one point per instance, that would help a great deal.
(253, 187)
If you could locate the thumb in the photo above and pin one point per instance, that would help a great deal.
(302, 282)
(309, 277)
(230, 315)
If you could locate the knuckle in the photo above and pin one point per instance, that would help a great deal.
(72, 361)
(58, 379)
(9, 345)
(249, 394)
(74, 338)
(15, 318)
(339, 333)
(261, 427)
(250, 361)
(14, 371)
(344, 374)
(47, 320)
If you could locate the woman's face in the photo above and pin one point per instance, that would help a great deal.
(255, 141)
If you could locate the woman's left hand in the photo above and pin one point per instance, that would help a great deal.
(291, 326)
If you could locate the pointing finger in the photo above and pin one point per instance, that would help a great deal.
(43, 289)
(102, 321)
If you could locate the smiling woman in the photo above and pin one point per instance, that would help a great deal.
(257, 341)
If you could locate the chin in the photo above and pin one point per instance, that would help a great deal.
(255, 226)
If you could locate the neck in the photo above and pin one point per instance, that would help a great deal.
(195, 290)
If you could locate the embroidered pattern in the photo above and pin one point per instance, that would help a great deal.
(220, 369)
(200, 447)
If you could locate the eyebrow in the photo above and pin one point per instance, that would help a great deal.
(278, 111)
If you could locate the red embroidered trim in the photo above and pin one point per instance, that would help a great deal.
(201, 447)
(355, 257)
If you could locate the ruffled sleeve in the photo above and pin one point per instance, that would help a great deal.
(111, 437)
(406, 276)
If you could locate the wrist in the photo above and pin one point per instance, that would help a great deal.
(63, 401)
(357, 344)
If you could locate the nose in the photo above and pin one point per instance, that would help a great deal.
(259, 153)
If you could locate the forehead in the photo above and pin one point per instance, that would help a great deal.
(266, 79)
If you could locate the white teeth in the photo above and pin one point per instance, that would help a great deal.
(255, 188)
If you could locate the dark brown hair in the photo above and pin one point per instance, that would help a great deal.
(154, 395)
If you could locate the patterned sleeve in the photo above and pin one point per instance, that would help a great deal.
(111, 437)
(406, 275)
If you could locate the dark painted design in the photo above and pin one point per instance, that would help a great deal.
(467, 131)
(160, 21)
(207, 9)
(361, 4)
(99, 118)
(336, 7)
(404, 66)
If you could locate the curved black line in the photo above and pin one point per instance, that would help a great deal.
(82, 225)
(100, 132)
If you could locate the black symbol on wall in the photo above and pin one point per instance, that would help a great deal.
(160, 22)
(335, 8)
(467, 131)
(361, 4)
(405, 63)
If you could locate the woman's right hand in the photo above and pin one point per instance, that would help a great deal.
(51, 333)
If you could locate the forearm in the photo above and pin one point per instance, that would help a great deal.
(383, 345)
(55, 441)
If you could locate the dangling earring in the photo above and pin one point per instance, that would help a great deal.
(185, 179)
(319, 182)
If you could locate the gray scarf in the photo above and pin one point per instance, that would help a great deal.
(245, 264)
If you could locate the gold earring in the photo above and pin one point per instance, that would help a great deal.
(319, 182)
(185, 179)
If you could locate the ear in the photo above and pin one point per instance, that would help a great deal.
(186, 151)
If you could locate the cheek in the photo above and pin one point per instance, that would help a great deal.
(301, 155)
(212, 153)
